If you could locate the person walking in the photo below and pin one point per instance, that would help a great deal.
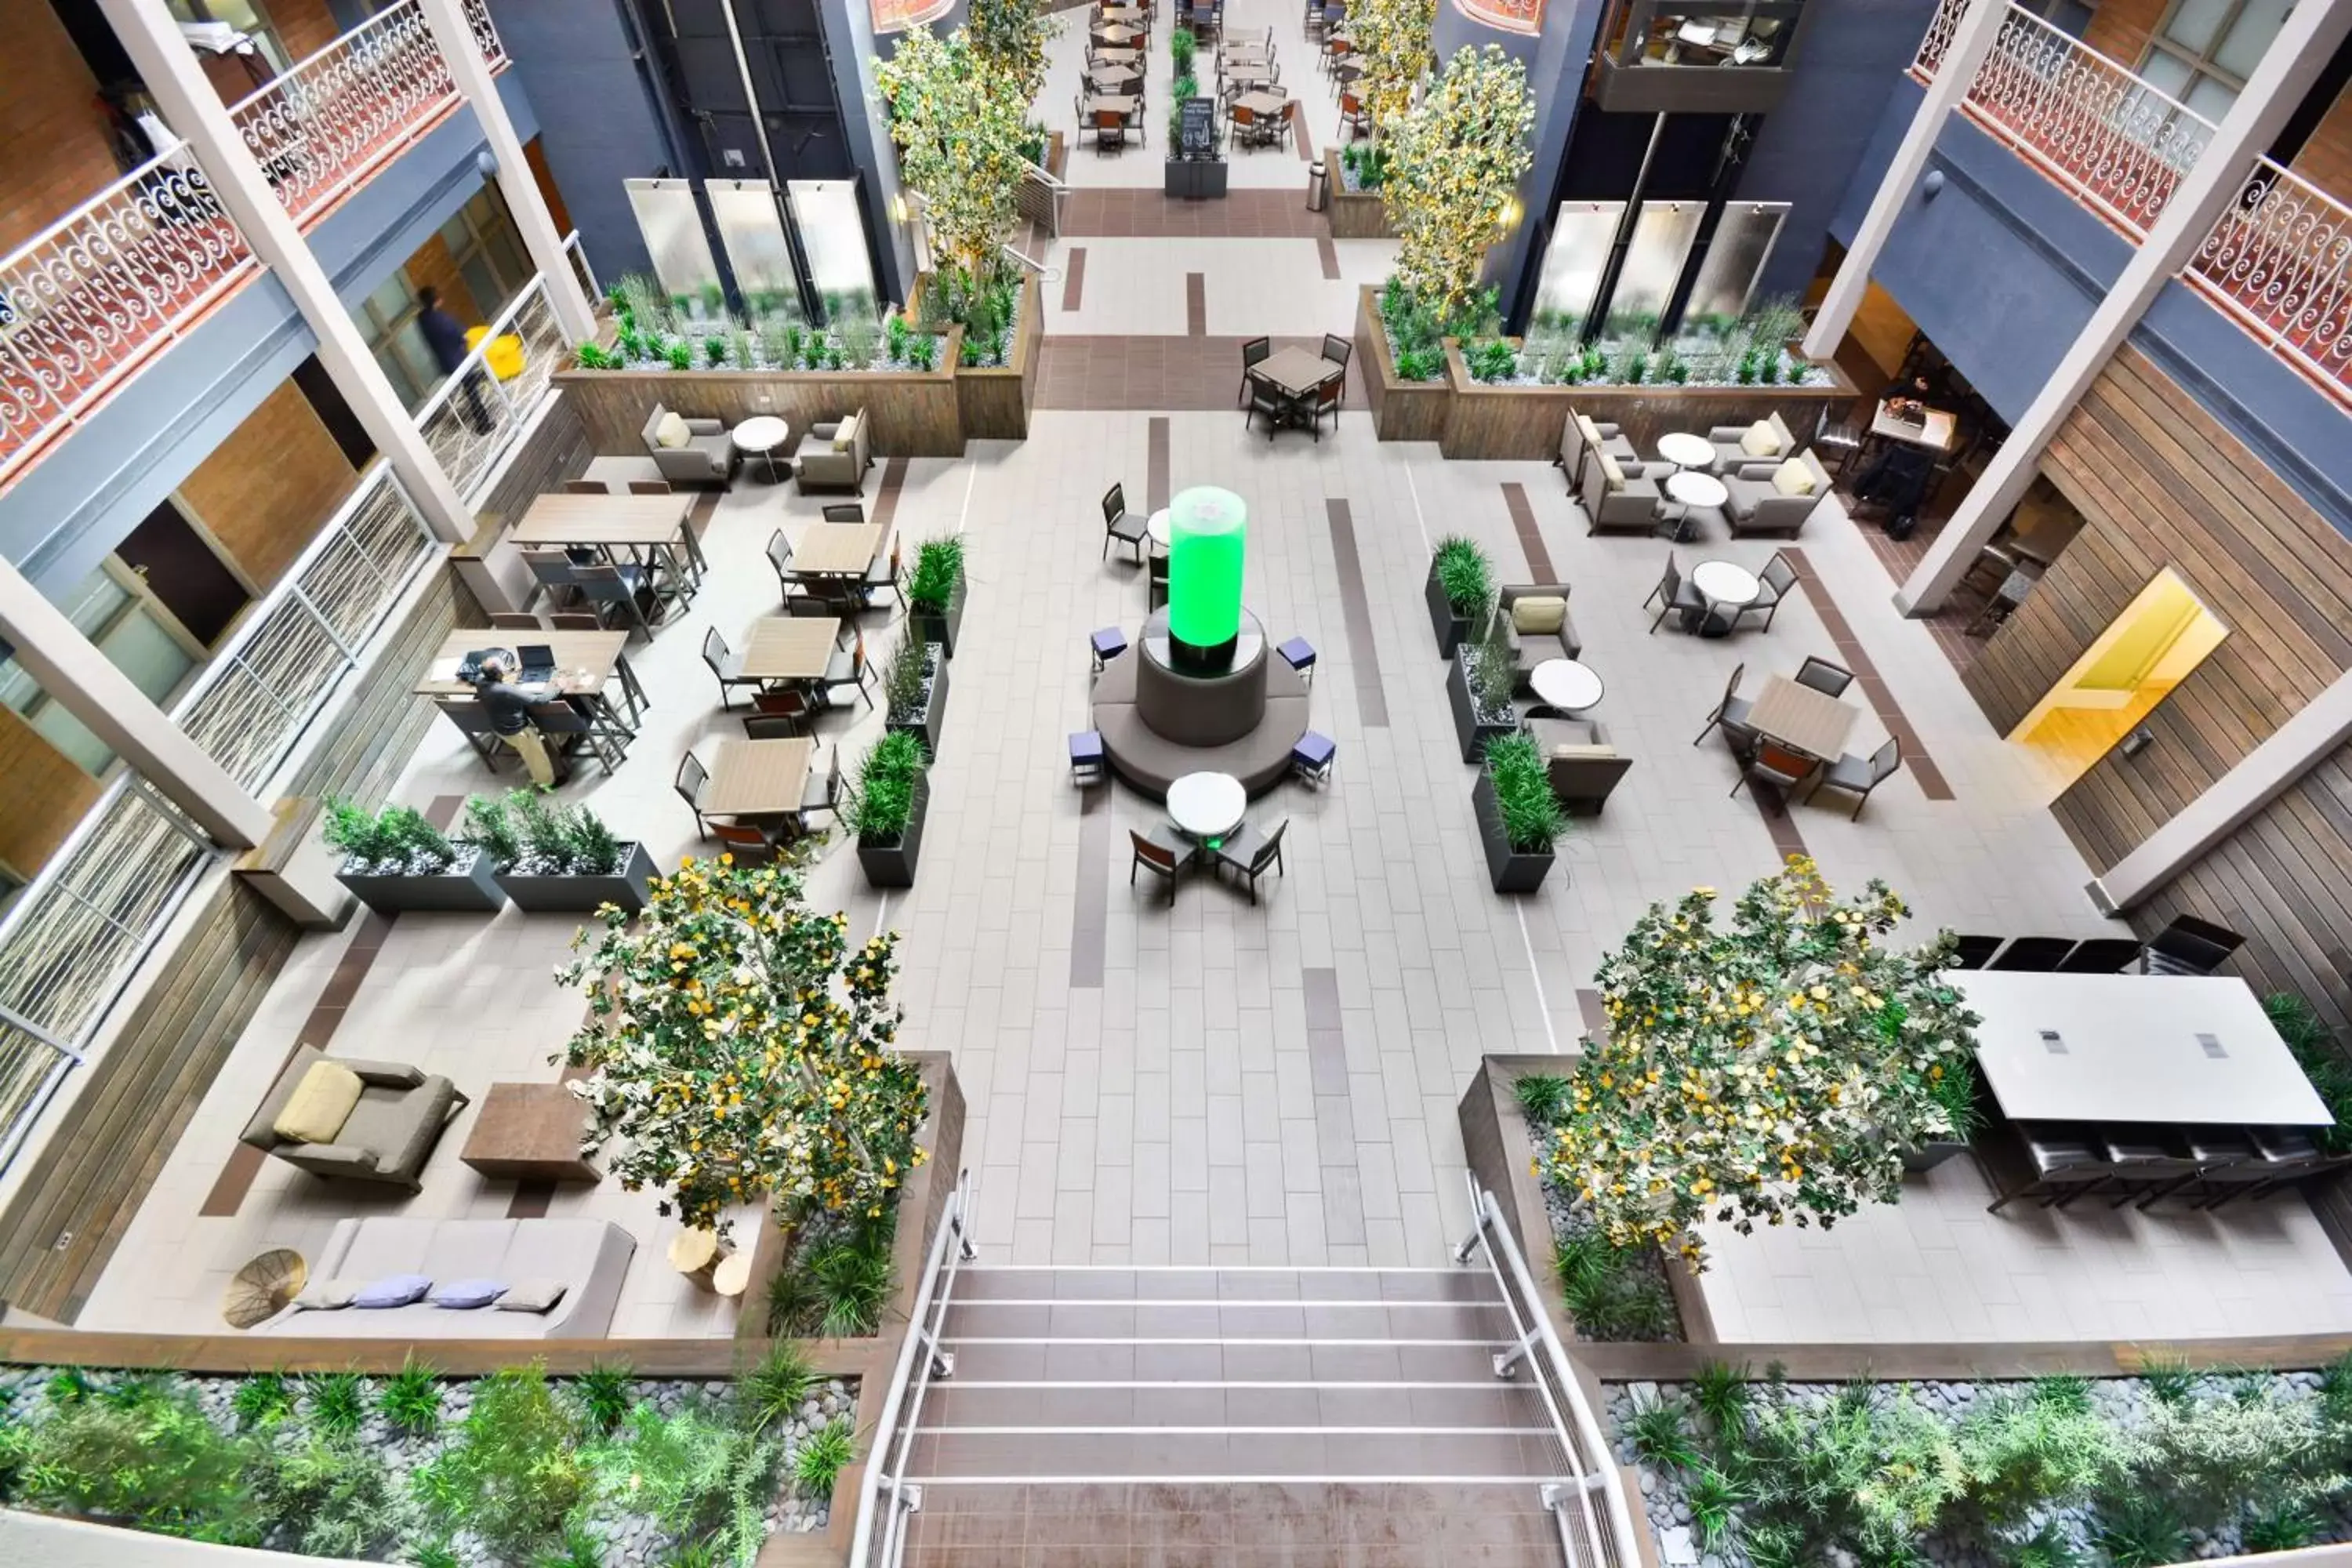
(446, 339)
(508, 706)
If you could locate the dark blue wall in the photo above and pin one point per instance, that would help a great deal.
(1556, 64)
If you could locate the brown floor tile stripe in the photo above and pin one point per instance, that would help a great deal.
(1156, 373)
(1328, 254)
(1779, 821)
(1155, 466)
(1302, 141)
(1363, 653)
(1074, 276)
(244, 1162)
(1196, 304)
(886, 497)
(1139, 213)
(1336, 1154)
(1531, 542)
(1595, 1012)
(1922, 767)
(1091, 908)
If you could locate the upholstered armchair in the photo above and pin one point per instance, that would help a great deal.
(1776, 498)
(1580, 436)
(386, 1136)
(689, 451)
(835, 454)
(1620, 497)
(1533, 628)
(1583, 766)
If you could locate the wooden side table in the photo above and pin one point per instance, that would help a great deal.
(530, 1132)
(700, 1255)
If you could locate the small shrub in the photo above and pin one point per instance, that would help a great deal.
(490, 828)
(161, 1467)
(1522, 798)
(1611, 1292)
(2049, 1450)
(593, 356)
(2140, 1528)
(882, 800)
(2282, 1527)
(336, 1403)
(714, 350)
(855, 1278)
(396, 838)
(69, 1387)
(1715, 1499)
(2170, 1382)
(2218, 1454)
(2048, 1547)
(334, 1494)
(1462, 575)
(513, 1472)
(1661, 1434)
(937, 572)
(263, 1399)
(578, 1546)
(1720, 1392)
(823, 1456)
(1494, 361)
(2335, 1392)
(769, 1393)
(1542, 1095)
(603, 1394)
(411, 1400)
(680, 355)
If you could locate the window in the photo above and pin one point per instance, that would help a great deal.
(488, 252)
(2207, 49)
(111, 608)
(483, 246)
(244, 16)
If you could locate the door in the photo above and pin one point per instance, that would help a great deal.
(182, 570)
(2165, 633)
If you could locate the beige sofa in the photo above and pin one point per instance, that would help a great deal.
(1531, 648)
(388, 1135)
(588, 1256)
(1581, 764)
(1737, 445)
(1776, 498)
(1620, 496)
(705, 457)
(835, 454)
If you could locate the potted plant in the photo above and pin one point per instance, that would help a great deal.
(1200, 171)
(935, 591)
(1458, 590)
(556, 860)
(886, 809)
(1478, 685)
(394, 861)
(915, 691)
(1518, 817)
(1952, 1085)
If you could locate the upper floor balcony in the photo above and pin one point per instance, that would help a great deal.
(1678, 57)
(85, 301)
(2278, 260)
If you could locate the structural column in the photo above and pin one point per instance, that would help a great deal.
(2272, 94)
(192, 110)
(74, 671)
(573, 311)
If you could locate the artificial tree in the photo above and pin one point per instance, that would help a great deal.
(1010, 37)
(960, 123)
(1393, 46)
(1778, 1069)
(1455, 162)
(742, 1048)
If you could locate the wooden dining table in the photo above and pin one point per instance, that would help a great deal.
(1296, 372)
(603, 523)
(758, 778)
(1802, 719)
(795, 649)
(1264, 105)
(1116, 37)
(584, 661)
(837, 549)
(1112, 80)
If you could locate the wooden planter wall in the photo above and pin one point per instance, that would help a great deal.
(995, 403)
(1402, 410)
(1355, 215)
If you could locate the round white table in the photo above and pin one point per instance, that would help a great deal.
(1685, 450)
(760, 436)
(1206, 806)
(1163, 532)
(1690, 489)
(1725, 585)
(1565, 684)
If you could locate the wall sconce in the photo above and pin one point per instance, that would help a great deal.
(1508, 219)
(1932, 186)
(898, 206)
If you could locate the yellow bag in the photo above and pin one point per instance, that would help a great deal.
(504, 356)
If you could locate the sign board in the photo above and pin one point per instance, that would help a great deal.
(1196, 129)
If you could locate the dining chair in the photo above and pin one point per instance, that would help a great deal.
(882, 577)
(1976, 951)
(1672, 595)
(749, 842)
(1773, 584)
(2060, 1167)
(2033, 954)
(574, 621)
(789, 705)
(565, 726)
(780, 556)
(726, 665)
(847, 668)
(2228, 1167)
(614, 587)
(2189, 946)
(1159, 850)
(516, 621)
(649, 486)
(1857, 777)
(1776, 765)
(2101, 955)
(1255, 353)
(1337, 350)
(586, 488)
(1110, 131)
(551, 570)
(1155, 591)
(1353, 118)
(821, 791)
(844, 512)
(473, 721)
(2147, 1168)
(1326, 401)
(693, 787)
(2289, 1154)
(1275, 405)
(1730, 715)
(1121, 525)
(1248, 853)
(1824, 676)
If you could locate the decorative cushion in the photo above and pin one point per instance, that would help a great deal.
(1760, 441)
(327, 1295)
(1539, 613)
(1588, 430)
(1794, 477)
(1610, 470)
(394, 1291)
(671, 431)
(1584, 750)
(462, 1295)
(844, 433)
(321, 1104)
(532, 1296)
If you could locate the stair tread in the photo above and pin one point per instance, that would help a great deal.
(1365, 1320)
(956, 1404)
(1234, 1455)
(1234, 1361)
(977, 1283)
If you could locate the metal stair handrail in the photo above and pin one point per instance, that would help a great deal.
(893, 1431)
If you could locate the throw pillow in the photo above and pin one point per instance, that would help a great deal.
(1781, 432)
(395, 1291)
(1610, 471)
(1794, 477)
(1760, 441)
(844, 433)
(1584, 750)
(327, 1295)
(532, 1296)
(1590, 432)
(321, 1104)
(1539, 613)
(671, 431)
(464, 1295)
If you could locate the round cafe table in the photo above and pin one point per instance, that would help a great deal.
(1163, 534)
(1685, 450)
(1725, 586)
(1565, 684)
(1689, 489)
(760, 436)
(1206, 806)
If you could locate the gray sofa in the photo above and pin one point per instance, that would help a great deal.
(389, 1134)
(1731, 454)
(706, 458)
(1758, 506)
(1581, 764)
(588, 1256)
(821, 465)
(1531, 648)
(1627, 504)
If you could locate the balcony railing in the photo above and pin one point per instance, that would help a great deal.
(85, 301)
(485, 32)
(1510, 15)
(2280, 260)
(897, 16)
(581, 270)
(472, 417)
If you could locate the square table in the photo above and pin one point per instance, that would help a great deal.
(1119, 58)
(584, 661)
(603, 521)
(1109, 80)
(791, 648)
(1935, 433)
(1245, 54)
(1121, 104)
(1121, 15)
(530, 1132)
(1267, 106)
(836, 548)
(2134, 1048)
(1295, 371)
(758, 778)
(1800, 718)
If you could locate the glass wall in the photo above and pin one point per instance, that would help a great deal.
(478, 262)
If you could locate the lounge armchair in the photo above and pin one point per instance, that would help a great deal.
(1776, 498)
(386, 1137)
(1580, 435)
(1622, 497)
(1582, 766)
(1529, 632)
(834, 455)
(689, 451)
(1737, 445)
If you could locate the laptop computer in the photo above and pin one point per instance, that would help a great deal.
(538, 661)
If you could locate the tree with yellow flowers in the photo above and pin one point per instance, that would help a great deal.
(1776, 1071)
(1392, 45)
(1010, 37)
(742, 1049)
(1455, 162)
(959, 124)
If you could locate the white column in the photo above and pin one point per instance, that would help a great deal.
(1973, 40)
(192, 109)
(2272, 94)
(573, 311)
(73, 671)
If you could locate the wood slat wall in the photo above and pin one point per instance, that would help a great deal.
(2162, 484)
(384, 721)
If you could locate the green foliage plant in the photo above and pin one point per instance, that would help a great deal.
(680, 355)
(1181, 47)
(937, 573)
(490, 826)
(961, 126)
(334, 1402)
(2171, 1381)
(577, 1545)
(882, 800)
(159, 1467)
(1420, 364)
(2049, 1547)
(1715, 1498)
(593, 357)
(1541, 1095)
(514, 1469)
(396, 839)
(854, 1277)
(714, 350)
(1720, 1392)
(1009, 37)
(2323, 1062)
(261, 1400)
(603, 1391)
(906, 681)
(1660, 1430)
(1611, 1293)
(1457, 157)
(2140, 1527)
(411, 1399)
(1522, 798)
(2281, 1527)
(2216, 1456)
(823, 1456)
(1492, 670)
(1463, 574)
(334, 1494)
(769, 1391)
(1495, 360)
(2023, 1455)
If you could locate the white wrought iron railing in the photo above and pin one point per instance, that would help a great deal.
(324, 126)
(1510, 15)
(85, 300)
(1596, 1528)
(897, 16)
(586, 274)
(2280, 261)
(886, 1498)
(474, 415)
(486, 33)
(1937, 43)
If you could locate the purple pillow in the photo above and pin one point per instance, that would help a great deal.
(395, 1291)
(465, 1294)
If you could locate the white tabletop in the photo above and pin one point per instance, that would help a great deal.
(1686, 450)
(1207, 805)
(2132, 1052)
(1162, 532)
(1694, 488)
(761, 433)
(1725, 582)
(1565, 684)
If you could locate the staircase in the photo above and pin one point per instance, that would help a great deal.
(1104, 1415)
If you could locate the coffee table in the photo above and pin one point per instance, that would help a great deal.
(1689, 489)
(1725, 585)
(1206, 806)
(530, 1132)
(1566, 684)
(1685, 450)
(759, 436)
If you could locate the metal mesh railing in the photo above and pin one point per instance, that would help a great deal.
(879, 1538)
(472, 418)
(2280, 261)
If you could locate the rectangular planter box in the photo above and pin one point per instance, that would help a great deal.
(1355, 215)
(942, 630)
(893, 865)
(1510, 871)
(1511, 422)
(1402, 410)
(1468, 730)
(584, 895)
(1193, 179)
(933, 718)
(472, 890)
(1452, 630)
(994, 402)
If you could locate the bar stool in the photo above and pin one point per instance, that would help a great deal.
(1299, 654)
(1088, 763)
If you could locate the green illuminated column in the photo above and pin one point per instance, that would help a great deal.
(1207, 529)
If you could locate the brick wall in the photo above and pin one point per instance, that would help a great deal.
(56, 152)
(2120, 29)
(304, 27)
(264, 491)
(47, 794)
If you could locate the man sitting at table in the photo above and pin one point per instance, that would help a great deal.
(508, 706)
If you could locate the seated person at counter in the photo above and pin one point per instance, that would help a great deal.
(508, 705)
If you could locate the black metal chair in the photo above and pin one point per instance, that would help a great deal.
(1156, 579)
(848, 666)
(2189, 946)
(843, 511)
(473, 721)
(566, 729)
(2060, 1167)
(1255, 353)
(726, 665)
(1338, 350)
(780, 556)
(1857, 777)
(2033, 954)
(1276, 407)
(615, 587)
(1730, 715)
(822, 791)
(1248, 853)
(2146, 1169)
(1122, 526)
(1976, 951)
(1824, 676)
(1674, 593)
(1773, 585)
(2101, 955)
(1162, 853)
(515, 621)
(693, 787)
(751, 843)
(1776, 765)
(2228, 1167)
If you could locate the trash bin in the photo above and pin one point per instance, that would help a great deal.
(1318, 186)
